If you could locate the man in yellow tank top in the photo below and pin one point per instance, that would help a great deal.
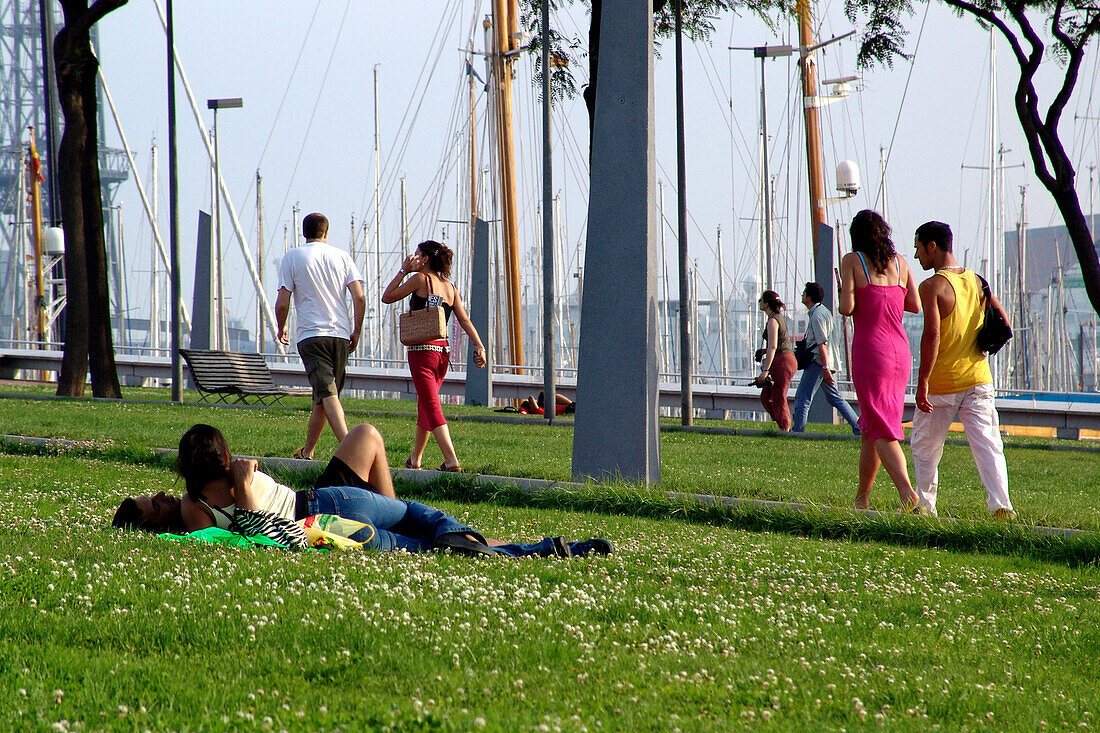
(954, 378)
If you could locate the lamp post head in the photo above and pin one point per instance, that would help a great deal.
(228, 103)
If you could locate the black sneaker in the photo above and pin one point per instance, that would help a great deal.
(561, 547)
(462, 545)
(598, 545)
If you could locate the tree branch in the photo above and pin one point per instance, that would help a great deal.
(87, 16)
(994, 20)
(1027, 99)
(1076, 50)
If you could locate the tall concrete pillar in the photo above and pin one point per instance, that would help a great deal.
(479, 382)
(616, 433)
(202, 311)
(820, 409)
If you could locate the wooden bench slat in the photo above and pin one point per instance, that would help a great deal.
(226, 374)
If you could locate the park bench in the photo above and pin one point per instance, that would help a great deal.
(233, 377)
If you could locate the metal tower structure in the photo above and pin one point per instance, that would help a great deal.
(25, 86)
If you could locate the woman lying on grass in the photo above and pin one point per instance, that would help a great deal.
(356, 485)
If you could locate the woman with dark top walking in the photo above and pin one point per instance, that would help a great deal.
(876, 289)
(778, 365)
(427, 285)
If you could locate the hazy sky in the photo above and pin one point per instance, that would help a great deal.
(305, 72)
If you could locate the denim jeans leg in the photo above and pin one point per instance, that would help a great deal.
(429, 523)
(832, 394)
(407, 525)
(387, 541)
(543, 548)
(807, 387)
(352, 502)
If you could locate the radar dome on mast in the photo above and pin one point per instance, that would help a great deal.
(847, 177)
(53, 241)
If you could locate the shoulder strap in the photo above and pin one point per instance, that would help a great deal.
(862, 262)
(219, 510)
(986, 295)
(897, 264)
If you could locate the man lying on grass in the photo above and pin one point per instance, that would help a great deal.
(355, 485)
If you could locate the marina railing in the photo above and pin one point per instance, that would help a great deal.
(713, 395)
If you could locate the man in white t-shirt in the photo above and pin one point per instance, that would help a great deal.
(317, 275)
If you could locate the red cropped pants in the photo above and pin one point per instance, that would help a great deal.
(428, 369)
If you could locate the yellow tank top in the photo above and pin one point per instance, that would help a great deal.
(960, 365)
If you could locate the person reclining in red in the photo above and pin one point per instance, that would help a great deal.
(563, 405)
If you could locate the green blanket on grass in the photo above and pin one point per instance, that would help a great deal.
(216, 535)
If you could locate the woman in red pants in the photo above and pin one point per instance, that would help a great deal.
(778, 362)
(428, 269)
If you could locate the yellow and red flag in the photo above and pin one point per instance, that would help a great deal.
(35, 162)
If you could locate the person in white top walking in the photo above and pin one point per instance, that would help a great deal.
(317, 275)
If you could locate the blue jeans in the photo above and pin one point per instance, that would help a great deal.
(396, 524)
(807, 388)
(542, 548)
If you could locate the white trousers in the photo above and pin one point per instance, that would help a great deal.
(977, 411)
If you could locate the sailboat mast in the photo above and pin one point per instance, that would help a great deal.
(813, 126)
(723, 347)
(260, 336)
(765, 188)
(36, 219)
(473, 148)
(404, 221)
(1021, 287)
(505, 25)
(884, 210)
(993, 135)
(154, 291)
(377, 227)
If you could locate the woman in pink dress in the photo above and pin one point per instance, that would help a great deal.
(876, 288)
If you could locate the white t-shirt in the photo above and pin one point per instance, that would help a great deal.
(272, 497)
(819, 330)
(318, 275)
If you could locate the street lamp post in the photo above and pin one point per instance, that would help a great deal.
(216, 104)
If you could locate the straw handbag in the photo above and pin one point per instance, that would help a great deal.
(424, 325)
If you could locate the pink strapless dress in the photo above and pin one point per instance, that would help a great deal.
(881, 361)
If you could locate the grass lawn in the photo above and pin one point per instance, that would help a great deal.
(693, 624)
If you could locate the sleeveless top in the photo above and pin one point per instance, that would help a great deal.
(782, 340)
(274, 498)
(881, 359)
(880, 310)
(960, 364)
(417, 303)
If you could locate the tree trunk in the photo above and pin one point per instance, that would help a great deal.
(101, 347)
(1069, 205)
(1055, 170)
(88, 339)
(70, 156)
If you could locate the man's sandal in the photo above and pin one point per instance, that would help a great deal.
(300, 454)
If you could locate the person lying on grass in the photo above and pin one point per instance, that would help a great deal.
(356, 484)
